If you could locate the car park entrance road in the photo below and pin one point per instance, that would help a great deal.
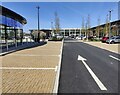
(76, 74)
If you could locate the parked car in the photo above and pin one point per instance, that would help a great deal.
(59, 37)
(81, 37)
(114, 39)
(72, 36)
(90, 38)
(84, 37)
(78, 38)
(104, 39)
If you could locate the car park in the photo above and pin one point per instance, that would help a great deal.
(114, 39)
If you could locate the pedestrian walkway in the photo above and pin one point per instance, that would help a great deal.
(32, 70)
(110, 47)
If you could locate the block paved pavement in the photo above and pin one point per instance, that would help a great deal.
(110, 47)
(31, 70)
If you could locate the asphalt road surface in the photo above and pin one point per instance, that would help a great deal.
(97, 74)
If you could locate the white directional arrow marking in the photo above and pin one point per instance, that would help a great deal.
(99, 83)
(81, 58)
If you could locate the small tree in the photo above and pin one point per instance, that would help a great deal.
(42, 35)
(106, 27)
(88, 25)
(83, 27)
(98, 28)
(57, 24)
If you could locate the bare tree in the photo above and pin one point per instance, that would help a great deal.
(57, 23)
(107, 26)
(88, 20)
(52, 28)
(88, 25)
(83, 26)
(98, 28)
(86, 30)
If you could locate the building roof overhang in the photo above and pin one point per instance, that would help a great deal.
(9, 13)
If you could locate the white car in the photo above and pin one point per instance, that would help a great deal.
(114, 39)
(78, 38)
(59, 37)
(81, 37)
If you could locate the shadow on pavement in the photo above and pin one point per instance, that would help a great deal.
(22, 47)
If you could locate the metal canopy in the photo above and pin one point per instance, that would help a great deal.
(9, 13)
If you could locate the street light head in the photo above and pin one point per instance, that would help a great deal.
(110, 10)
(38, 7)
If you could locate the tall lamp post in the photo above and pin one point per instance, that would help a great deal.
(110, 24)
(38, 25)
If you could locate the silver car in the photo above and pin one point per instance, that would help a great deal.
(114, 39)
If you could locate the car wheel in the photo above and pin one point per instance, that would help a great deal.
(112, 42)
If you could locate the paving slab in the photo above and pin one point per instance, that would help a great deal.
(39, 52)
(110, 47)
(28, 81)
(31, 70)
(30, 61)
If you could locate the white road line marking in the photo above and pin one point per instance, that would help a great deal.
(56, 68)
(99, 83)
(56, 84)
(20, 68)
(114, 57)
(31, 55)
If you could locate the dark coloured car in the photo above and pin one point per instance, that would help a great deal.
(90, 38)
(104, 39)
(72, 36)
